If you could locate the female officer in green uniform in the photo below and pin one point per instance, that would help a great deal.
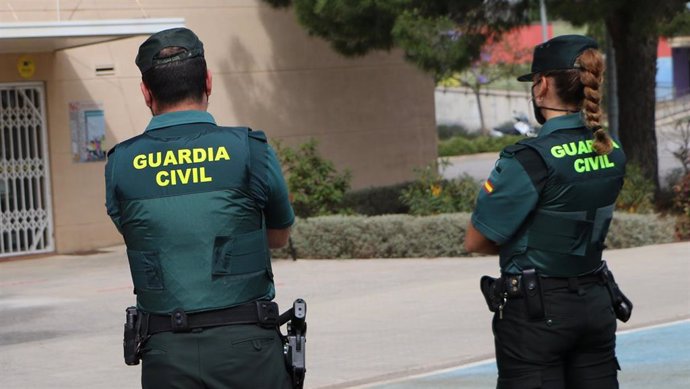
(545, 209)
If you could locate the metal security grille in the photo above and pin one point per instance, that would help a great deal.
(25, 208)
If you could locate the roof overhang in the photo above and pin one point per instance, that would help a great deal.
(37, 37)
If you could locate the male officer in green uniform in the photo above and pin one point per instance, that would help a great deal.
(545, 209)
(199, 206)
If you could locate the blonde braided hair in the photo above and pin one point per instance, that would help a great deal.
(591, 66)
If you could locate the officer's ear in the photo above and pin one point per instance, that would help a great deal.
(541, 86)
(148, 97)
(209, 83)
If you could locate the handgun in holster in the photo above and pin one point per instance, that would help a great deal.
(622, 306)
(132, 339)
(296, 341)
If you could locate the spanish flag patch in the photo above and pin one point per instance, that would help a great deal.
(488, 187)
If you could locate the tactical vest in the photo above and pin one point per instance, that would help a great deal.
(196, 238)
(564, 235)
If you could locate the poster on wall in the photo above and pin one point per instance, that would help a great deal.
(87, 123)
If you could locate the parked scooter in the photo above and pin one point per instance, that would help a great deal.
(521, 126)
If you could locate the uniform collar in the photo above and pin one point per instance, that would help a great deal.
(563, 122)
(179, 117)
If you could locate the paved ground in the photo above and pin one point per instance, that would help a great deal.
(370, 320)
(648, 356)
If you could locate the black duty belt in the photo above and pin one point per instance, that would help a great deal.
(263, 313)
(511, 283)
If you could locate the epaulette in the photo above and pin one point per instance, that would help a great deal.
(258, 135)
(112, 150)
(531, 161)
(511, 150)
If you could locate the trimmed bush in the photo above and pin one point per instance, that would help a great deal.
(463, 145)
(405, 236)
(447, 131)
(634, 230)
(382, 200)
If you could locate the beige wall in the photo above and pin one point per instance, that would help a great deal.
(373, 115)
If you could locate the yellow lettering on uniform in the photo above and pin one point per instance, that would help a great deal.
(199, 155)
(557, 151)
(160, 180)
(582, 148)
(153, 162)
(184, 177)
(593, 163)
(222, 153)
(589, 145)
(580, 165)
(170, 158)
(608, 163)
(139, 161)
(173, 176)
(210, 154)
(184, 156)
(615, 145)
(202, 175)
(570, 148)
(195, 175)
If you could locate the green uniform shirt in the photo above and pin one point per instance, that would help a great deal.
(193, 201)
(278, 211)
(510, 197)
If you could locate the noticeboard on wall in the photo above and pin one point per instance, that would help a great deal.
(87, 122)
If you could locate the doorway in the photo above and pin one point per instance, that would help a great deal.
(26, 218)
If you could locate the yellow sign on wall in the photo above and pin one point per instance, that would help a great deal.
(26, 66)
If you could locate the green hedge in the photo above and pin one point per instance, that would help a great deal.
(461, 145)
(405, 236)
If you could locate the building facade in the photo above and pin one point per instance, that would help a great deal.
(69, 96)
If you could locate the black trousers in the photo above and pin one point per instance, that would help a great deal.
(229, 357)
(573, 347)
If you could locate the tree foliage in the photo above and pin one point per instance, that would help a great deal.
(440, 36)
(444, 37)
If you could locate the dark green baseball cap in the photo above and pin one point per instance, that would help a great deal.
(559, 53)
(174, 37)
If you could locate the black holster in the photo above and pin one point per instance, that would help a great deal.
(493, 292)
(622, 306)
(295, 341)
(132, 340)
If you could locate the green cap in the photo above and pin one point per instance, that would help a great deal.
(559, 53)
(174, 37)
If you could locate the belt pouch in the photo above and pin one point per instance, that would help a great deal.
(531, 291)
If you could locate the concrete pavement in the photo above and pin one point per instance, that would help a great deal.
(369, 320)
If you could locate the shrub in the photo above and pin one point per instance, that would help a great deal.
(405, 236)
(682, 204)
(377, 201)
(446, 131)
(463, 145)
(637, 193)
(315, 186)
(431, 194)
(634, 230)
